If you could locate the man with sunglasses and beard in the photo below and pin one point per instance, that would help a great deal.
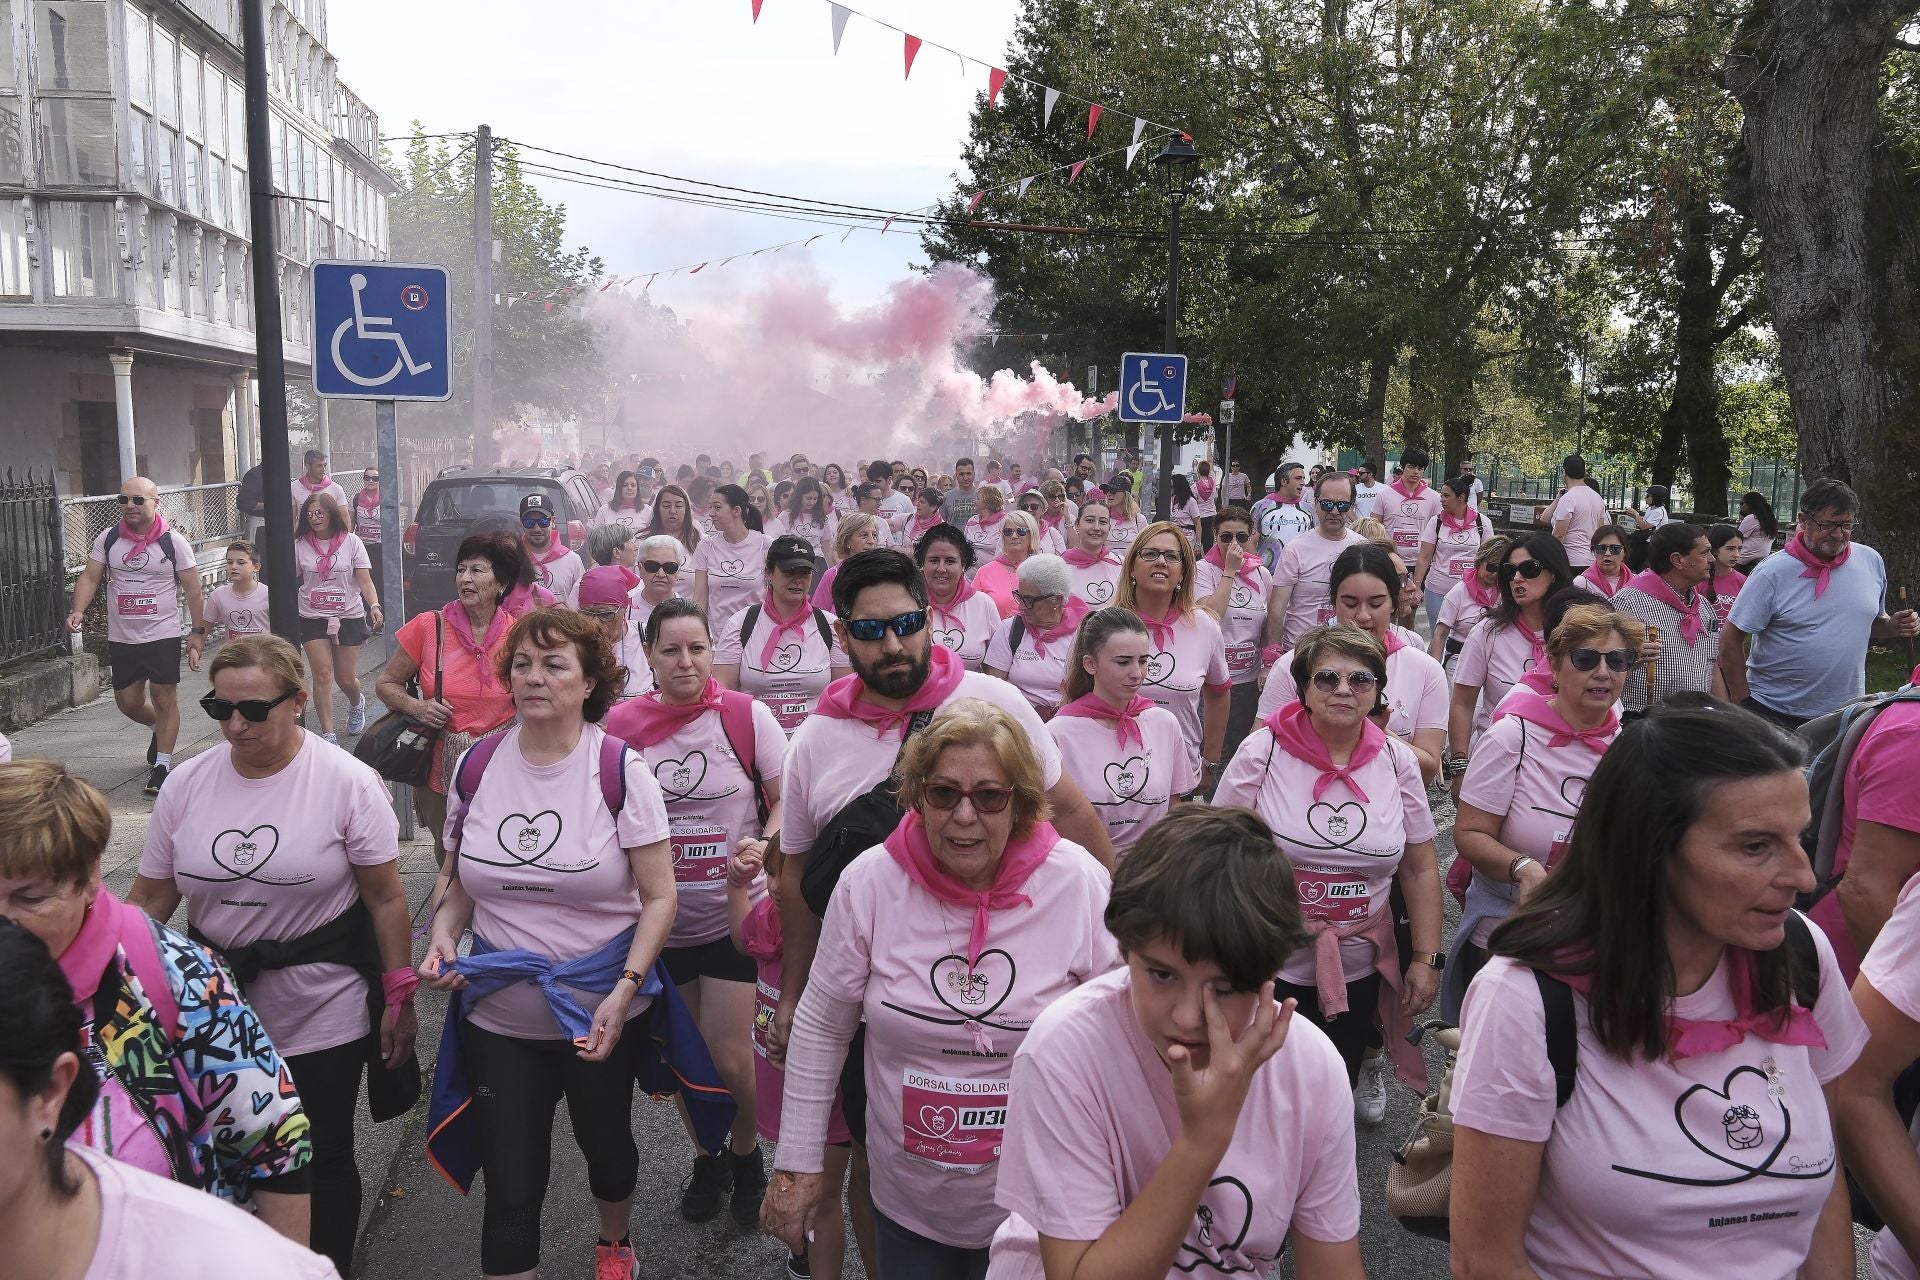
(1666, 596)
(1300, 599)
(141, 559)
(554, 566)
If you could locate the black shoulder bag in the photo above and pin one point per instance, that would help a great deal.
(398, 747)
(863, 822)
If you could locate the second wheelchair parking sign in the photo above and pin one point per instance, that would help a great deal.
(381, 331)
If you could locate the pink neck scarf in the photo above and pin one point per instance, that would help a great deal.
(324, 556)
(482, 649)
(646, 721)
(1293, 729)
(1053, 522)
(1691, 1037)
(315, 486)
(1249, 565)
(1468, 521)
(950, 611)
(842, 700)
(1534, 641)
(1537, 708)
(1821, 571)
(1393, 642)
(988, 522)
(796, 624)
(86, 958)
(1399, 487)
(1161, 628)
(555, 549)
(909, 847)
(920, 526)
(1070, 614)
(524, 597)
(1484, 596)
(157, 529)
(1692, 625)
(1607, 586)
(367, 501)
(1125, 720)
(1081, 559)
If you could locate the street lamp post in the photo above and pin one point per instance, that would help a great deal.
(1174, 171)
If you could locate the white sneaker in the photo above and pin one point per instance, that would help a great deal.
(1370, 1091)
(331, 736)
(357, 717)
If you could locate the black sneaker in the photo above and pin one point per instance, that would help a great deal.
(153, 748)
(712, 1178)
(156, 778)
(798, 1267)
(749, 1187)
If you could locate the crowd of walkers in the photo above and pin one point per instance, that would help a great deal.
(1052, 888)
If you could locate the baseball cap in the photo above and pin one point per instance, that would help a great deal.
(608, 584)
(536, 502)
(789, 551)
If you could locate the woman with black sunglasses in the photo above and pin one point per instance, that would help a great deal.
(281, 843)
(1528, 774)
(1510, 641)
(1608, 572)
(1231, 582)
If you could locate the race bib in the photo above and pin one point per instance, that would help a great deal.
(766, 999)
(137, 606)
(1561, 838)
(1406, 539)
(952, 1124)
(788, 711)
(1329, 897)
(1321, 617)
(327, 600)
(1459, 567)
(1241, 660)
(700, 852)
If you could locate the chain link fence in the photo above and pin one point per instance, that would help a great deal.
(1778, 479)
(206, 515)
(33, 595)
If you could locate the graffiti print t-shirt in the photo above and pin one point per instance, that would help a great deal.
(546, 866)
(1653, 1166)
(260, 858)
(1093, 1116)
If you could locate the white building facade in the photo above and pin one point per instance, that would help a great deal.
(126, 326)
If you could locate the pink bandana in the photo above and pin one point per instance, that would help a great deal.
(1821, 571)
(1484, 596)
(1534, 641)
(1070, 614)
(157, 529)
(1537, 708)
(1691, 1037)
(1691, 623)
(1081, 559)
(1393, 642)
(1292, 727)
(1471, 520)
(1600, 580)
(461, 626)
(909, 847)
(1399, 487)
(1161, 628)
(988, 522)
(796, 624)
(646, 721)
(315, 486)
(842, 700)
(1125, 720)
(323, 556)
(1249, 565)
(920, 526)
(950, 611)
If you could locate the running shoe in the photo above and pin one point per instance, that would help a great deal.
(331, 736)
(156, 778)
(614, 1262)
(1370, 1091)
(798, 1267)
(749, 1187)
(357, 716)
(711, 1179)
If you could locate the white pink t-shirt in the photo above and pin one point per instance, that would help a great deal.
(240, 615)
(1133, 786)
(710, 808)
(790, 681)
(736, 574)
(985, 539)
(560, 575)
(1243, 629)
(1196, 660)
(818, 533)
(1878, 787)
(333, 593)
(1416, 691)
(634, 518)
(1120, 536)
(1406, 518)
(830, 761)
(1492, 661)
(1306, 568)
(1344, 850)
(331, 488)
(936, 1099)
(1453, 550)
(274, 858)
(533, 891)
(1096, 583)
(155, 1229)
(1584, 510)
(1093, 1115)
(1652, 1166)
(1041, 677)
(1460, 613)
(140, 586)
(1893, 967)
(967, 629)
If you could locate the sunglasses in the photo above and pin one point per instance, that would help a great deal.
(1528, 569)
(1610, 550)
(1616, 659)
(370, 476)
(941, 796)
(903, 625)
(536, 522)
(1233, 537)
(1358, 681)
(1150, 554)
(138, 500)
(1013, 533)
(1336, 504)
(660, 566)
(255, 710)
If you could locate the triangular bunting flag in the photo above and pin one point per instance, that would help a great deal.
(888, 223)
(840, 13)
(1093, 118)
(756, 9)
(996, 81)
(650, 280)
(1133, 149)
(1024, 184)
(1074, 173)
(694, 271)
(913, 50)
(1046, 115)
(974, 203)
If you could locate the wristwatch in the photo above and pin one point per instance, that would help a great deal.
(1435, 960)
(1456, 765)
(199, 631)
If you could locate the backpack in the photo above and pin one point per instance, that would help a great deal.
(863, 822)
(1832, 740)
(1420, 1179)
(736, 722)
(819, 620)
(165, 543)
(613, 769)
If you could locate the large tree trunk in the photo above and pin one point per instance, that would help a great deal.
(1692, 418)
(1373, 428)
(1840, 249)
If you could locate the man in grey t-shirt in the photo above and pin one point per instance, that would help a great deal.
(957, 507)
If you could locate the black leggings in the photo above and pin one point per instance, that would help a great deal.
(329, 1085)
(1352, 1032)
(516, 1084)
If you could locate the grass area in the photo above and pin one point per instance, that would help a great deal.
(1888, 666)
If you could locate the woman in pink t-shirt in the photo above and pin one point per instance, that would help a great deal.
(1056, 518)
(962, 619)
(1880, 1146)
(1232, 583)
(1125, 752)
(549, 873)
(858, 531)
(1467, 602)
(337, 602)
(1681, 1113)
(1724, 581)
(788, 656)
(727, 567)
(926, 514)
(1170, 1118)
(1188, 673)
(950, 939)
(1448, 544)
(1349, 809)
(1125, 520)
(1029, 650)
(1608, 572)
(1509, 642)
(984, 525)
(999, 577)
(272, 837)
(1528, 773)
(1095, 565)
(807, 513)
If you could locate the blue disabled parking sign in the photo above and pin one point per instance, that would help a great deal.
(1153, 387)
(381, 331)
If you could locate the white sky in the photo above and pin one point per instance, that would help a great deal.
(694, 88)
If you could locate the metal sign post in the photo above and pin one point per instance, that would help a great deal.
(393, 604)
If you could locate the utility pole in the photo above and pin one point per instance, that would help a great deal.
(276, 467)
(1163, 495)
(482, 297)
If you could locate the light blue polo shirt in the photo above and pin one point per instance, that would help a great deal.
(1808, 655)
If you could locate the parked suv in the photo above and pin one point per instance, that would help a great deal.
(461, 501)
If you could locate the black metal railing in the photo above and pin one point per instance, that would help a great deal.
(33, 579)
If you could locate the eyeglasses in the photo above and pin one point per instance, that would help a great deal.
(138, 500)
(602, 612)
(1358, 681)
(1830, 526)
(1026, 601)
(255, 710)
(1233, 537)
(986, 799)
(536, 522)
(1013, 532)
(660, 566)
(1336, 504)
(371, 475)
(1528, 569)
(1616, 659)
(1150, 554)
(903, 625)
(1610, 550)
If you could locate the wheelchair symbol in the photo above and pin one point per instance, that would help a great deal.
(369, 329)
(1141, 408)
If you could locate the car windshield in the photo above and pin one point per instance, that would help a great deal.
(472, 500)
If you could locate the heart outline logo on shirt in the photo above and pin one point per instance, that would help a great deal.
(1578, 786)
(1733, 1118)
(244, 855)
(730, 568)
(682, 777)
(785, 658)
(1311, 891)
(525, 839)
(242, 622)
(1098, 592)
(1338, 825)
(1241, 597)
(1161, 666)
(138, 560)
(950, 638)
(1127, 778)
(994, 971)
(1219, 1230)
